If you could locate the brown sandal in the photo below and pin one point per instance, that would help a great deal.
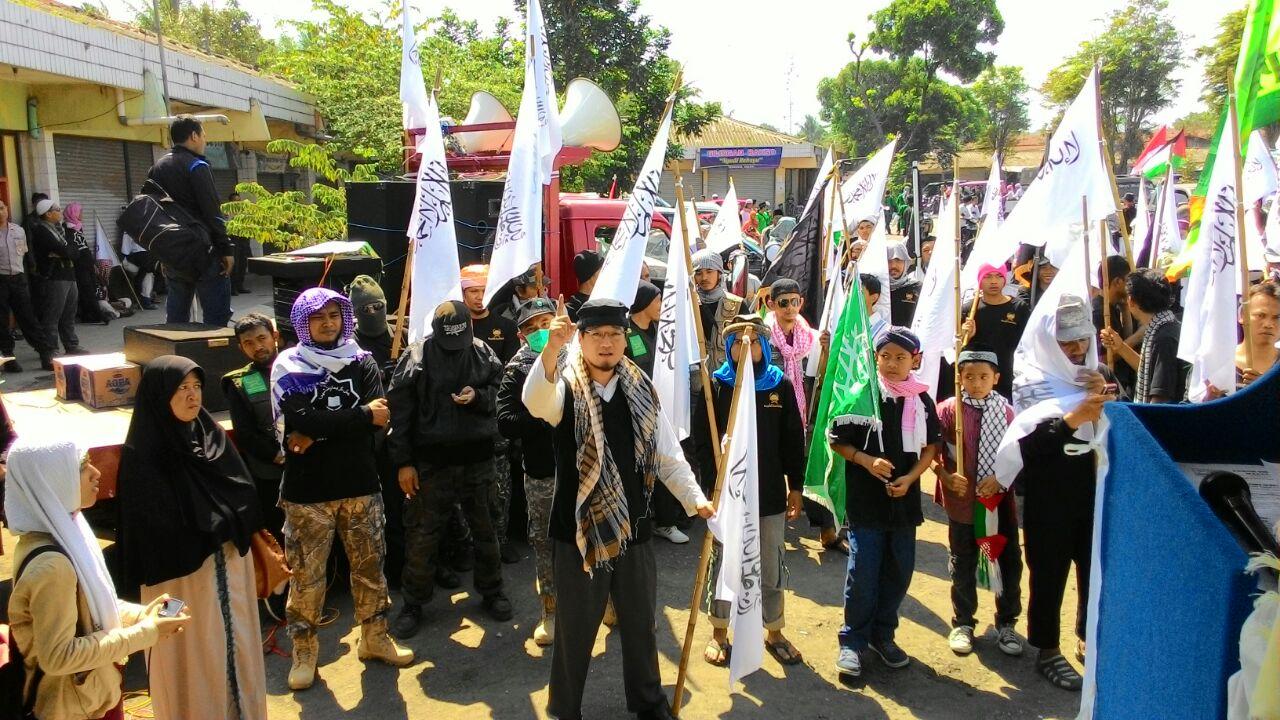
(717, 653)
(784, 652)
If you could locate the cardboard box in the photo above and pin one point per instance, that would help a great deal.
(110, 385)
(66, 371)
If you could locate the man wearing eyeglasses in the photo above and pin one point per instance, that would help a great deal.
(611, 446)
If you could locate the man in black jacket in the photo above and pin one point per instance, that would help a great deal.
(537, 437)
(248, 392)
(185, 175)
(441, 439)
(329, 394)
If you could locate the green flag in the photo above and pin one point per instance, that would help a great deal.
(850, 394)
(1257, 91)
(1257, 82)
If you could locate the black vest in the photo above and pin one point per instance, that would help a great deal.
(264, 421)
(621, 443)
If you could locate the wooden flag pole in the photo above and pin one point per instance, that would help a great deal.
(1104, 147)
(1088, 280)
(1106, 286)
(960, 336)
(1234, 129)
(704, 558)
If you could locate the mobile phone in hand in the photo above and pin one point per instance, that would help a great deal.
(171, 608)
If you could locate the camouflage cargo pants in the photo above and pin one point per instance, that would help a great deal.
(425, 518)
(538, 492)
(308, 537)
(500, 490)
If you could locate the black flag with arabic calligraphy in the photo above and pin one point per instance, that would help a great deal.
(801, 259)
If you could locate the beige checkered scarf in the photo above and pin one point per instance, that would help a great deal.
(604, 520)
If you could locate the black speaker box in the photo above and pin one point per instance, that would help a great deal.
(378, 213)
(212, 348)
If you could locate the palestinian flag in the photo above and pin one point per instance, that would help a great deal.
(1161, 152)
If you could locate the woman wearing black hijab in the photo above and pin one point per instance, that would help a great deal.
(188, 509)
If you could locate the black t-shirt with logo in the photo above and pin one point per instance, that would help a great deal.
(642, 344)
(902, 303)
(999, 328)
(499, 334)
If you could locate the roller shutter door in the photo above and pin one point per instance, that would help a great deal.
(93, 173)
(224, 181)
(717, 183)
(692, 186)
(754, 184)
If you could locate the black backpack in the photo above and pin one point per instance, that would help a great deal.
(13, 672)
(165, 229)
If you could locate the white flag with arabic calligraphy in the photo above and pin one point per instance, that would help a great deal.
(726, 230)
(1208, 340)
(935, 319)
(737, 527)
(1049, 213)
(620, 274)
(436, 275)
(677, 341)
(863, 192)
(517, 241)
(413, 93)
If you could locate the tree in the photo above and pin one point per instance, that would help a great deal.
(869, 101)
(813, 131)
(627, 57)
(287, 219)
(1002, 92)
(351, 66)
(1219, 58)
(1139, 50)
(925, 37)
(228, 31)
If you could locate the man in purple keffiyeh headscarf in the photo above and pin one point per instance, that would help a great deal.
(327, 397)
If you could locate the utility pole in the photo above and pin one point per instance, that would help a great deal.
(164, 69)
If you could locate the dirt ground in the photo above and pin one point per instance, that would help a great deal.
(472, 667)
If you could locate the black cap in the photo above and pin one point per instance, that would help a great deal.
(1129, 197)
(784, 286)
(605, 311)
(451, 326)
(586, 264)
(534, 308)
(646, 293)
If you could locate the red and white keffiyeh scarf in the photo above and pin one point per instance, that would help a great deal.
(914, 432)
(793, 353)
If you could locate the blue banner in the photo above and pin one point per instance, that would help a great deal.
(748, 157)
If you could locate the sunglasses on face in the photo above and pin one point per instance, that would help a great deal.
(372, 308)
(788, 302)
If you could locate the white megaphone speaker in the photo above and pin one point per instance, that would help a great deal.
(588, 118)
(485, 108)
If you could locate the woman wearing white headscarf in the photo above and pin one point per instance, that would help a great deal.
(66, 620)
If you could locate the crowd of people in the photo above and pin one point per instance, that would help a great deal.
(409, 462)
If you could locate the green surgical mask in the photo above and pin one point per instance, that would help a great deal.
(537, 339)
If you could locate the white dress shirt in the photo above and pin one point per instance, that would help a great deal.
(13, 245)
(545, 400)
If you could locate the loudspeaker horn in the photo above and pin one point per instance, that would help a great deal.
(486, 108)
(588, 118)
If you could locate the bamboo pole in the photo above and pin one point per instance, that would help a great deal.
(1106, 286)
(1234, 129)
(704, 558)
(1088, 279)
(119, 262)
(1104, 148)
(846, 244)
(702, 341)
(402, 312)
(960, 336)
